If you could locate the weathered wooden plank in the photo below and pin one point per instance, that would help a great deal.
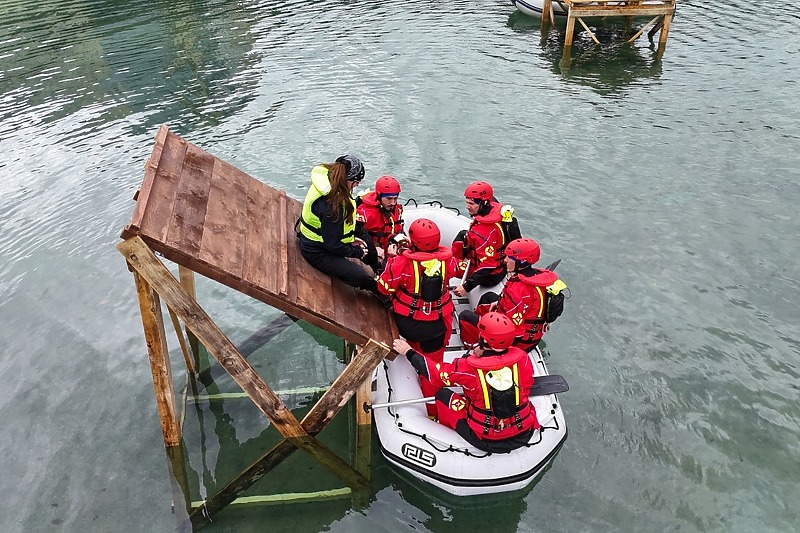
(141, 258)
(155, 337)
(224, 231)
(186, 225)
(187, 282)
(293, 258)
(283, 243)
(608, 11)
(143, 194)
(161, 200)
(260, 263)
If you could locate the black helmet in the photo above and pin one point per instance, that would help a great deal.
(355, 170)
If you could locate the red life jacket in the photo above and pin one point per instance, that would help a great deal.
(524, 301)
(426, 296)
(381, 225)
(502, 408)
(486, 241)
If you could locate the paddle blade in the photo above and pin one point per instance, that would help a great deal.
(552, 384)
(553, 265)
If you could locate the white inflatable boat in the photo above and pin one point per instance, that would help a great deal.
(434, 453)
(534, 7)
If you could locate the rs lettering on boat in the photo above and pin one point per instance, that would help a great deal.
(418, 455)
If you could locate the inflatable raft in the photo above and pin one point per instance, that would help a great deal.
(534, 7)
(438, 455)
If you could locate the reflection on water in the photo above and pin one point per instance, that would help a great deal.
(608, 68)
(668, 188)
(120, 60)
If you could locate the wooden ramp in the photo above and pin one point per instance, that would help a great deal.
(213, 219)
(204, 214)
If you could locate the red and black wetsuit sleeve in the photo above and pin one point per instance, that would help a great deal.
(419, 363)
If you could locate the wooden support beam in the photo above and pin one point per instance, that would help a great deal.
(547, 14)
(665, 29)
(641, 30)
(202, 514)
(570, 30)
(181, 340)
(655, 29)
(289, 497)
(187, 282)
(591, 33)
(155, 337)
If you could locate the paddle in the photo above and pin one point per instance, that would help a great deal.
(553, 265)
(542, 386)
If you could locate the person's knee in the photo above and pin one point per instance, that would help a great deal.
(469, 316)
(368, 283)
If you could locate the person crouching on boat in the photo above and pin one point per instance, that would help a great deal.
(381, 215)
(494, 413)
(327, 225)
(532, 297)
(480, 248)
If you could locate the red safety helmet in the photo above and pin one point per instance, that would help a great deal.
(496, 330)
(525, 250)
(480, 191)
(387, 186)
(424, 235)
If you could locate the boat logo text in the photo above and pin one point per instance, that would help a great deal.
(418, 455)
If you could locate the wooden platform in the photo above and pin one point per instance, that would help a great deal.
(202, 213)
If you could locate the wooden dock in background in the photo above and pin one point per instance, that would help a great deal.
(661, 12)
(212, 219)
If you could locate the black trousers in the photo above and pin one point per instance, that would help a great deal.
(342, 268)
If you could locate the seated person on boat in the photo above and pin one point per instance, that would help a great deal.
(531, 297)
(480, 247)
(327, 226)
(380, 214)
(494, 413)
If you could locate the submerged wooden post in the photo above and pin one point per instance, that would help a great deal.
(547, 13)
(153, 323)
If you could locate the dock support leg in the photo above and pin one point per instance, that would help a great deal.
(662, 38)
(566, 57)
(153, 324)
(546, 14)
(362, 461)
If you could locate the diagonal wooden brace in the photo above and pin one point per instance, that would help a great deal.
(147, 265)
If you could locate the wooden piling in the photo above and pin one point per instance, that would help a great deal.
(155, 337)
